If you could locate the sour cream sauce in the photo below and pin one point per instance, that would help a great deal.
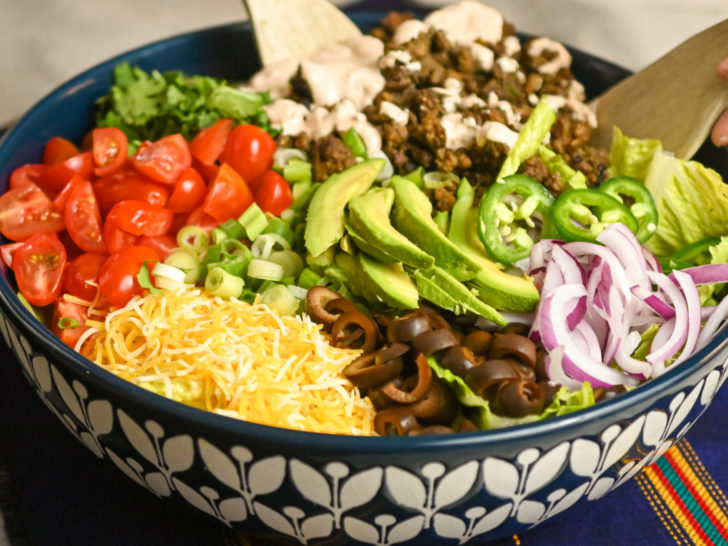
(343, 79)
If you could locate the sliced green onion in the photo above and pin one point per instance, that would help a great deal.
(68, 323)
(355, 143)
(235, 266)
(301, 202)
(297, 170)
(308, 278)
(248, 296)
(267, 243)
(417, 176)
(167, 276)
(438, 179)
(193, 237)
(233, 229)
(234, 248)
(299, 188)
(223, 284)
(186, 261)
(277, 226)
(387, 171)
(280, 299)
(264, 269)
(288, 215)
(289, 260)
(298, 292)
(253, 221)
(283, 156)
(217, 236)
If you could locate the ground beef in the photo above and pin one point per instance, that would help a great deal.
(422, 141)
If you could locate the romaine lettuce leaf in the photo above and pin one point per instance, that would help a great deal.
(631, 156)
(529, 138)
(692, 199)
(564, 402)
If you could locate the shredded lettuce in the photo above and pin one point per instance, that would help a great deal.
(150, 105)
(180, 390)
(481, 414)
(692, 199)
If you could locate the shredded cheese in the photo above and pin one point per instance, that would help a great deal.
(231, 358)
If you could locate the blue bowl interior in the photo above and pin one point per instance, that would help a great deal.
(229, 51)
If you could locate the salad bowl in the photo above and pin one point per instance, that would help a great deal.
(280, 484)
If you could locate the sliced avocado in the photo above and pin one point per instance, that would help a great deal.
(365, 246)
(412, 216)
(379, 283)
(496, 287)
(325, 217)
(369, 216)
(439, 287)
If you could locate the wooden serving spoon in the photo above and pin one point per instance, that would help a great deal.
(293, 28)
(676, 99)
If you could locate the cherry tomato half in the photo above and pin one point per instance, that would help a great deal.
(27, 210)
(62, 198)
(188, 193)
(163, 244)
(116, 238)
(7, 251)
(128, 184)
(163, 160)
(228, 196)
(140, 218)
(273, 193)
(208, 144)
(110, 149)
(118, 275)
(249, 150)
(83, 219)
(82, 275)
(58, 150)
(76, 315)
(199, 217)
(27, 173)
(54, 178)
(38, 265)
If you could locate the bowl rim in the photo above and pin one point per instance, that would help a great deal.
(147, 401)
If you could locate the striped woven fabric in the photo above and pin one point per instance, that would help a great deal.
(686, 499)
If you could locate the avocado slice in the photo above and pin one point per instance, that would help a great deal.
(325, 216)
(495, 287)
(439, 287)
(412, 216)
(365, 246)
(378, 282)
(369, 216)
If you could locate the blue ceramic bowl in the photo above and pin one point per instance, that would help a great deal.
(276, 483)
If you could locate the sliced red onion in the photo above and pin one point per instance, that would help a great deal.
(692, 300)
(628, 250)
(661, 353)
(586, 338)
(660, 306)
(565, 269)
(623, 357)
(554, 333)
(555, 370)
(713, 322)
(705, 274)
(615, 267)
